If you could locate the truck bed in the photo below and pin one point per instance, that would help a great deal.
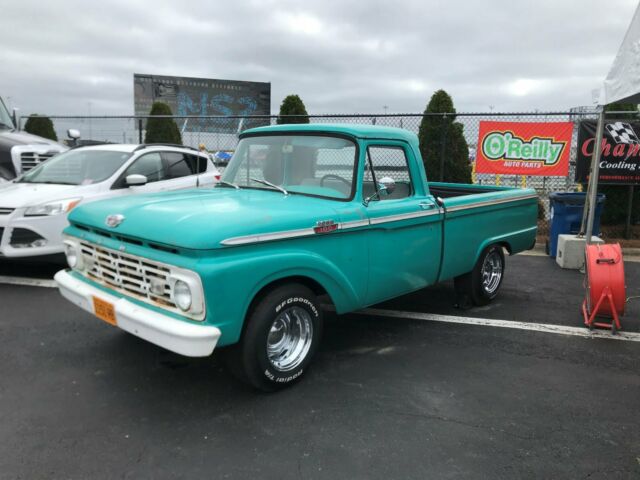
(479, 215)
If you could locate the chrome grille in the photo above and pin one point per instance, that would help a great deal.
(29, 160)
(6, 211)
(129, 274)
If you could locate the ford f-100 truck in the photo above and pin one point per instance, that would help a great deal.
(342, 212)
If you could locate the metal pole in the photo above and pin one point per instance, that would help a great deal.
(140, 130)
(443, 146)
(627, 230)
(593, 178)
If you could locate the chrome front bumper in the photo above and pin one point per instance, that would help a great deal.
(178, 336)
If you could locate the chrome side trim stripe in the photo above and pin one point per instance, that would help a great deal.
(487, 203)
(266, 237)
(304, 232)
(403, 216)
(354, 224)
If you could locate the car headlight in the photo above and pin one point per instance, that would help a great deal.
(72, 252)
(182, 295)
(186, 291)
(52, 208)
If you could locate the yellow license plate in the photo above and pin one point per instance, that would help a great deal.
(104, 311)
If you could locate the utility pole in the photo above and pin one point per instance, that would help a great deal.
(90, 125)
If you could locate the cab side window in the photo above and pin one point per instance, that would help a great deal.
(149, 165)
(387, 162)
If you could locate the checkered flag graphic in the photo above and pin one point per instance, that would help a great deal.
(622, 133)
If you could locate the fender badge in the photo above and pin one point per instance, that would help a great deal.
(113, 221)
(325, 226)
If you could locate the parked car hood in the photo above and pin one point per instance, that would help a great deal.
(10, 138)
(202, 219)
(17, 195)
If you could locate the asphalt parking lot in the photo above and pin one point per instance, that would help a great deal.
(385, 398)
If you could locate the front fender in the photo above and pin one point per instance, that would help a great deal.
(232, 283)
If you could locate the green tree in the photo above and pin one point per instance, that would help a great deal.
(292, 105)
(162, 130)
(41, 126)
(616, 204)
(442, 137)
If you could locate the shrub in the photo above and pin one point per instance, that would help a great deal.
(441, 135)
(162, 130)
(41, 126)
(292, 105)
(614, 211)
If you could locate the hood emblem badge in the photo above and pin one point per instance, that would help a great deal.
(325, 226)
(113, 221)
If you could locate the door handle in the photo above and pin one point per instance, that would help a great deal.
(426, 205)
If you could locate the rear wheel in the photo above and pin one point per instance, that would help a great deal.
(281, 337)
(481, 285)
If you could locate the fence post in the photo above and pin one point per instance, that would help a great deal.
(140, 130)
(443, 146)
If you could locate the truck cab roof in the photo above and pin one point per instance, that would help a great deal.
(357, 131)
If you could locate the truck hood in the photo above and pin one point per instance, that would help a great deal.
(201, 219)
(17, 195)
(11, 138)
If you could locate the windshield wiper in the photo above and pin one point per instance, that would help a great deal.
(269, 184)
(48, 182)
(228, 184)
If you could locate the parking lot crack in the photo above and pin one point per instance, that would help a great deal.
(441, 418)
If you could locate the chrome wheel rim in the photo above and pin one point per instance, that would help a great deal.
(492, 272)
(289, 339)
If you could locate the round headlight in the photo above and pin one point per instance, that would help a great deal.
(71, 253)
(182, 295)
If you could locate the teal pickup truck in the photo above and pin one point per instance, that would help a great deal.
(343, 212)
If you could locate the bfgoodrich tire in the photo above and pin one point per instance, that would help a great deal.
(282, 335)
(481, 285)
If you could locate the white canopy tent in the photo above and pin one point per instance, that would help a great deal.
(622, 84)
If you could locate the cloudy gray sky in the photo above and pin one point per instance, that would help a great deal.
(339, 56)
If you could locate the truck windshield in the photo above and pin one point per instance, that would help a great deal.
(5, 118)
(321, 166)
(77, 167)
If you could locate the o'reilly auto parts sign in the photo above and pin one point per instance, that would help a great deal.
(524, 148)
(620, 152)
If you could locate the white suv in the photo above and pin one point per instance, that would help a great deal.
(34, 207)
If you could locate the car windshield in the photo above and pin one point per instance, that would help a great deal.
(5, 117)
(77, 167)
(312, 165)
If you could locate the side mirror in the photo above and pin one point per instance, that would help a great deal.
(73, 134)
(386, 185)
(135, 180)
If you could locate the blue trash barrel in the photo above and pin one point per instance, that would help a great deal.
(566, 216)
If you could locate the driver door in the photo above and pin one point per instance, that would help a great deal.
(405, 234)
(152, 166)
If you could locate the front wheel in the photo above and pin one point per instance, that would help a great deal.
(282, 335)
(481, 285)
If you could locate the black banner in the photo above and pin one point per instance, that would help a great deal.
(204, 97)
(620, 158)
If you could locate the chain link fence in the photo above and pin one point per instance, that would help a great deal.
(220, 134)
